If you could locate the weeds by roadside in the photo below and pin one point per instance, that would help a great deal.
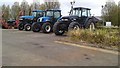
(103, 37)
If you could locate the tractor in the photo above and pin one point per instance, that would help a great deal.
(11, 23)
(27, 21)
(78, 18)
(45, 24)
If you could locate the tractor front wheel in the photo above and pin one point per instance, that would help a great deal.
(27, 27)
(36, 27)
(21, 26)
(46, 27)
(59, 28)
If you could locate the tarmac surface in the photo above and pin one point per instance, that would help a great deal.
(26, 48)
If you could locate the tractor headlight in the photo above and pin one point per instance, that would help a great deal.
(39, 20)
(64, 19)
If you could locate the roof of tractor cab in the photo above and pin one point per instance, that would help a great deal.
(53, 10)
(38, 10)
(81, 8)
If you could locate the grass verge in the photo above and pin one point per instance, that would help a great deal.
(103, 38)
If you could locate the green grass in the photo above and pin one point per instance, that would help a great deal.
(104, 37)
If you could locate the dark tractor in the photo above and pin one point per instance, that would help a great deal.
(11, 23)
(79, 17)
(46, 23)
(27, 21)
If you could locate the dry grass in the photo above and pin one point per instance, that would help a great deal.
(104, 37)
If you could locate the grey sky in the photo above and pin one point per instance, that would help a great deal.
(95, 5)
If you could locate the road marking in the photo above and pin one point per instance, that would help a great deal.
(88, 47)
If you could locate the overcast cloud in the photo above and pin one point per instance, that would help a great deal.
(95, 5)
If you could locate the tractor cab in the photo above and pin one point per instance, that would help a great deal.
(53, 14)
(37, 14)
(82, 13)
(50, 16)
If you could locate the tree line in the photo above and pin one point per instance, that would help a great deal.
(111, 12)
(17, 9)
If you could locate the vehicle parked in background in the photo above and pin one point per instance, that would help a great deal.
(79, 17)
(46, 23)
(9, 24)
(26, 21)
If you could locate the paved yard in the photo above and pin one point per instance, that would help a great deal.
(21, 48)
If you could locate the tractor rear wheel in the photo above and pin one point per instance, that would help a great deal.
(58, 28)
(74, 26)
(90, 25)
(27, 27)
(46, 27)
(21, 26)
(36, 27)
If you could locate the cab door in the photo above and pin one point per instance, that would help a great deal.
(84, 15)
(57, 15)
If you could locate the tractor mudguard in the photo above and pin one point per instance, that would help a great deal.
(95, 20)
(86, 21)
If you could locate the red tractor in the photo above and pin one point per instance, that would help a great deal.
(10, 23)
(4, 24)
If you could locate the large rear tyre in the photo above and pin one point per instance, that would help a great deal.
(90, 25)
(36, 27)
(21, 26)
(57, 28)
(46, 27)
(74, 26)
(27, 27)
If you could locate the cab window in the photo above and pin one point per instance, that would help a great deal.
(84, 12)
(89, 14)
(56, 14)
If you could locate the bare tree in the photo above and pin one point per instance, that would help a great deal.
(110, 12)
(51, 4)
(15, 10)
(25, 7)
(5, 12)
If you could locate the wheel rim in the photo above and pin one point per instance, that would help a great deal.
(28, 28)
(76, 27)
(92, 26)
(48, 28)
(21, 27)
(61, 31)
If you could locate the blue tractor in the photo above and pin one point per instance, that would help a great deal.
(27, 21)
(46, 23)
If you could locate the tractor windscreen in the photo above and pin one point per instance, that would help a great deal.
(37, 14)
(76, 12)
(49, 13)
